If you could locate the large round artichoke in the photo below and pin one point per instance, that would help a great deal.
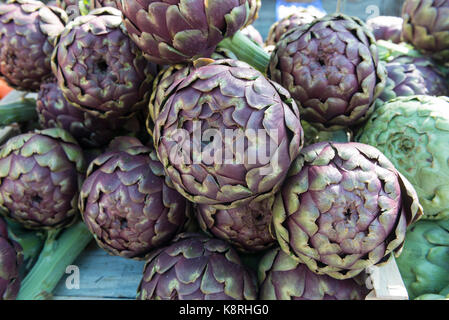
(387, 28)
(247, 227)
(331, 69)
(413, 132)
(426, 27)
(283, 278)
(28, 33)
(99, 69)
(253, 124)
(195, 267)
(170, 32)
(424, 262)
(11, 257)
(343, 208)
(40, 177)
(127, 204)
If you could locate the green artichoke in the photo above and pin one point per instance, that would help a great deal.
(413, 132)
(424, 262)
(283, 278)
(40, 177)
(298, 18)
(195, 267)
(332, 70)
(99, 69)
(247, 228)
(11, 257)
(170, 32)
(388, 28)
(426, 27)
(343, 208)
(126, 203)
(226, 103)
(28, 33)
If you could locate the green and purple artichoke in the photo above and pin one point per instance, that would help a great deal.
(99, 69)
(40, 177)
(225, 134)
(11, 258)
(170, 32)
(343, 208)
(247, 227)
(283, 278)
(413, 132)
(195, 267)
(332, 70)
(388, 28)
(126, 202)
(28, 34)
(426, 27)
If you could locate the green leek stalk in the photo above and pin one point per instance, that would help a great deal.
(60, 250)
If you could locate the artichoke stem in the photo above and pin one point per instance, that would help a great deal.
(60, 250)
(18, 111)
(341, 136)
(247, 51)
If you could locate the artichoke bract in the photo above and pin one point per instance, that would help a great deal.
(423, 263)
(283, 278)
(195, 267)
(332, 70)
(300, 17)
(40, 176)
(225, 134)
(99, 69)
(425, 27)
(343, 208)
(388, 28)
(413, 132)
(170, 32)
(28, 33)
(126, 202)
(247, 227)
(11, 257)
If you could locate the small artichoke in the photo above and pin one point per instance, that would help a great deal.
(332, 70)
(28, 33)
(388, 28)
(426, 27)
(40, 177)
(11, 257)
(230, 103)
(99, 69)
(253, 34)
(283, 278)
(126, 202)
(298, 18)
(170, 32)
(413, 132)
(105, 3)
(424, 262)
(195, 267)
(343, 208)
(247, 227)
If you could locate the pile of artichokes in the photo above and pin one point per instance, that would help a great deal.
(170, 132)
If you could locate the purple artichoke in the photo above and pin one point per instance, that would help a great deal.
(28, 33)
(227, 103)
(126, 202)
(99, 69)
(386, 28)
(195, 267)
(332, 70)
(343, 208)
(40, 177)
(176, 31)
(11, 257)
(283, 278)
(247, 228)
